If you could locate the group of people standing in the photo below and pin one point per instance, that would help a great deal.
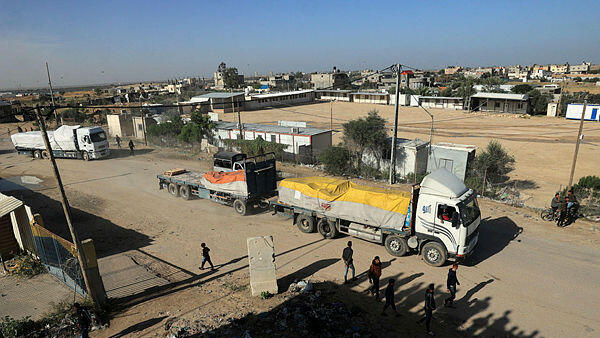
(374, 275)
(566, 207)
(131, 145)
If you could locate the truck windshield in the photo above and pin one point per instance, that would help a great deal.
(98, 137)
(469, 211)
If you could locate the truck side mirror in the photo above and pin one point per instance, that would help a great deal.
(455, 220)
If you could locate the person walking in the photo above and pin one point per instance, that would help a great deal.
(429, 307)
(389, 298)
(206, 257)
(118, 140)
(374, 275)
(131, 146)
(348, 261)
(83, 320)
(451, 283)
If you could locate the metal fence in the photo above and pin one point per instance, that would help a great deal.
(60, 258)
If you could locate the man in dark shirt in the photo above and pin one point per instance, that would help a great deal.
(131, 146)
(573, 205)
(348, 261)
(83, 320)
(451, 283)
(429, 307)
(118, 140)
(555, 204)
(206, 257)
(389, 298)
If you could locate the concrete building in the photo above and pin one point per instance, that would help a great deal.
(119, 125)
(452, 70)
(500, 103)
(442, 102)
(333, 80)
(411, 157)
(278, 80)
(303, 144)
(405, 77)
(261, 101)
(574, 111)
(139, 127)
(222, 102)
(403, 99)
(559, 68)
(370, 97)
(583, 68)
(457, 158)
(333, 94)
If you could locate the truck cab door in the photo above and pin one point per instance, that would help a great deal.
(447, 225)
(84, 141)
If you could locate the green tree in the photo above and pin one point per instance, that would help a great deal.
(494, 163)
(368, 85)
(521, 89)
(446, 92)
(336, 161)
(538, 101)
(172, 127)
(463, 86)
(231, 78)
(423, 91)
(366, 133)
(198, 128)
(491, 84)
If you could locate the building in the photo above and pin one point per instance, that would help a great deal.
(221, 102)
(411, 157)
(303, 144)
(6, 112)
(500, 103)
(442, 102)
(583, 68)
(333, 80)
(370, 97)
(574, 110)
(333, 94)
(559, 68)
(403, 99)
(174, 88)
(552, 109)
(457, 158)
(452, 70)
(119, 125)
(278, 80)
(405, 77)
(420, 82)
(139, 127)
(261, 101)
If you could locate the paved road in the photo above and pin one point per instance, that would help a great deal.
(527, 278)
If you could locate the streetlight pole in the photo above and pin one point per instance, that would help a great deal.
(393, 157)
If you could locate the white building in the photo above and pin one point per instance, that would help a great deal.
(442, 102)
(302, 143)
(500, 103)
(574, 110)
(370, 97)
(411, 157)
(333, 94)
(261, 101)
(456, 158)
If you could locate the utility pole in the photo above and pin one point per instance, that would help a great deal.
(331, 114)
(393, 157)
(143, 120)
(52, 95)
(66, 208)
(579, 136)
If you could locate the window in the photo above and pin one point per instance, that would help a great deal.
(469, 210)
(98, 137)
(140, 127)
(446, 163)
(445, 213)
(497, 104)
(274, 138)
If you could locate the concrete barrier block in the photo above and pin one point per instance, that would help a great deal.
(261, 257)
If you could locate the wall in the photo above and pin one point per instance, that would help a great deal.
(503, 106)
(409, 159)
(321, 142)
(119, 124)
(442, 103)
(366, 98)
(343, 96)
(403, 99)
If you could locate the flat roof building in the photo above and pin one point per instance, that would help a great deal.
(442, 102)
(261, 101)
(370, 97)
(500, 103)
(333, 94)
(222, 102)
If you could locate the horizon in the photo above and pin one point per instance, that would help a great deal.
(164, 41)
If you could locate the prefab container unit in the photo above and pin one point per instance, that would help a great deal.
(370, 97)
(279, 99)
(442, 102)
(592, 112)
(455, 158)
(333, 95)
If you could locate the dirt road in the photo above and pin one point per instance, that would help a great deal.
(528, 278)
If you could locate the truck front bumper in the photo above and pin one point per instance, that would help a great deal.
(100, 153)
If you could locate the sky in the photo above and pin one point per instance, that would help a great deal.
(98, 42)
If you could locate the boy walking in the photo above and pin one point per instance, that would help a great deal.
(206, 257)
(374, 275)
(389, 298)
(348, 261)
(131, 146)
(451, 283)
(429, 307)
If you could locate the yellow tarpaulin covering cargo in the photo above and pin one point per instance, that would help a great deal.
(331, 189)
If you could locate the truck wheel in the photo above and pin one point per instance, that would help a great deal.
(45, 155)
(85, 156)
(184, 192)
(305, 223)
(326, 229)
(37, 154)
(434, 254)
(173, 189)
(240, 207)
(396, 245)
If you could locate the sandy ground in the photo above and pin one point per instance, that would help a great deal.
(527, 278)
(542, 146)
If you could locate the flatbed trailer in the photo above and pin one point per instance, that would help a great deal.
(260, 178)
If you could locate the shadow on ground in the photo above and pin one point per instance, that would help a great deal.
(494, 235)
(124, 152)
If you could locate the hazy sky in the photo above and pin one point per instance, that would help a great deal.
(103, 41)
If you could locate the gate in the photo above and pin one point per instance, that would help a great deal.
(59, 256)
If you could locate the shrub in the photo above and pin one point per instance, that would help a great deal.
(337, 160)
(255, 147)
(592, 182)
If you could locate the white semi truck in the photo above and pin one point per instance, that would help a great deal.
(439, 219)
(66, 142)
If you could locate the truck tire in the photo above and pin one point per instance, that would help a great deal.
(326, 228)
(45, 155)
(434, 254)
(184, 192)
(305, 223)
(240, 207)
(85, 156)
(37, 154)
(396, 245)
(173, 189)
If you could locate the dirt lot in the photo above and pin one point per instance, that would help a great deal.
(527, 277)
(542, 146)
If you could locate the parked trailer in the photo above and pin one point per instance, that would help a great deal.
(438, 219)
(250, 186)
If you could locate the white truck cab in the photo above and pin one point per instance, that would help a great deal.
(446, 220)
(92, 142)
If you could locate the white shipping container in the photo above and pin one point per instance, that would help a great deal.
(592, 112)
